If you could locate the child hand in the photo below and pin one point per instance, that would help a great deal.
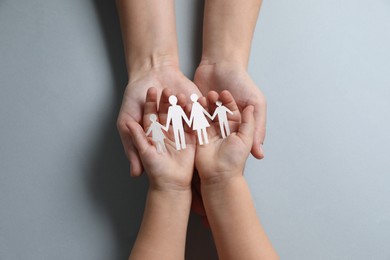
(172, 169)
(223, 159)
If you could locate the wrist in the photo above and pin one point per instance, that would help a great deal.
(214, 71)
(219, 180)
(220, 188)
(175, 196)
(143, 63)
(166, 183)
(223, 59)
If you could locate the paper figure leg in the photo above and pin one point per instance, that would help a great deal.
(158, 147)
(227, 128)
(199, 134)
(176, 136)
(205, 137)
(182, 139)
(161, 147)
(222, 130)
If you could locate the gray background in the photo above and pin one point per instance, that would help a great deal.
(322, 191)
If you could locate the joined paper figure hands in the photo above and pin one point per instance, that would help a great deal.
(197, 121)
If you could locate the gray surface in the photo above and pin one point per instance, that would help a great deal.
(322, 191)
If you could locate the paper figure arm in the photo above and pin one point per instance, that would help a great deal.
(188, 121)
(215, 114)
(207, 113)
(148, 131)
(165, 128)
(169, 117)
(228, 110)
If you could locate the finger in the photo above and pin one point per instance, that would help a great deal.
(260, 114)
(181, 100)
(130, 151)
(247, 127)
(212, 97)
(138, 137)
(135, 161)
(164, 105)
(228, 101)
(203, 102)
(150, 106)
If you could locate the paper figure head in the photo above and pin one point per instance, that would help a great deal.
(218, 103)
(172, 100)
(153, 117)
(194, 97)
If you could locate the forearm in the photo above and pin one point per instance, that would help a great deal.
(237, 231)
(164, 226)
(228, 30)
(149, 33)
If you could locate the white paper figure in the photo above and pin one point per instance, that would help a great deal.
(157, 134)
(176, 115)
(198, 120)
(221, 111)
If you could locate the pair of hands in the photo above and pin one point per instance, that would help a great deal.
(220, 159)
(207, 77)
(233, 78)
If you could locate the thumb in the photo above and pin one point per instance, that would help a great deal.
(138, 136)
(247, 126)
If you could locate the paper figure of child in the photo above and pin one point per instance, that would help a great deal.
(222, 111)
(198, 120)
(176, 115)
(157, 134)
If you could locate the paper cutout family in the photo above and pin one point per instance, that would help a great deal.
(197, 121)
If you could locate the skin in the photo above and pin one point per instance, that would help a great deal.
(150, 43)
(164, 225)
(228, 28)
(231, 214)
(236, 229)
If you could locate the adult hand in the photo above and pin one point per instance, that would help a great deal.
(134, 99)
(235, 79)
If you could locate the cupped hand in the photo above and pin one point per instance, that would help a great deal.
(134, 98)
(235, 79)
(223, 158)
(171, 169)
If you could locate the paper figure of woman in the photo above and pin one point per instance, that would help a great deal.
(198, 120)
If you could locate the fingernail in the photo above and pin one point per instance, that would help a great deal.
(261, 149)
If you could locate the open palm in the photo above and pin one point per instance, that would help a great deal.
(223, 156)
(171, 169)
(133, 102)
(235, 79)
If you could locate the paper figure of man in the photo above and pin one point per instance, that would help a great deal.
(176, 115)
(157, 134)
(222, 111)
(198, 120)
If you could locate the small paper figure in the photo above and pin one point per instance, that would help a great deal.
(176, 115)
(198, 120)
(222, 118)
(157, 134)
